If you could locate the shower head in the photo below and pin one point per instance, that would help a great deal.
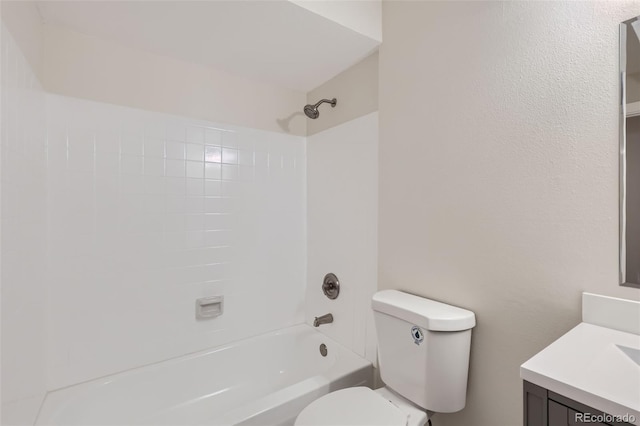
(311, 111)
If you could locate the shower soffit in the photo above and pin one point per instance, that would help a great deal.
(276, 42)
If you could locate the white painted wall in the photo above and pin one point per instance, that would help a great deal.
(23, 235)
(93, 68)
(363, 16)
(271, 41)
(146, 213)
(499, 173)
(342, 179)
(356, 90)
(23, 21)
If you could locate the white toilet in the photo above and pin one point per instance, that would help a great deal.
(423, 355)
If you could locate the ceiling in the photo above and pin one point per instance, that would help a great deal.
(276, 42)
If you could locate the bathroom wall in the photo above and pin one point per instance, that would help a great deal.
(363, 16)
(125, 216)
(23, 21)
(342, 182)
(131, 214)
(92, 68)
(146, 213)
(22, 221)
(499, 173)
(356, 89)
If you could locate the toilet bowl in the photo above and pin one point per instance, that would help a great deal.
(423, 355)
(361, 406)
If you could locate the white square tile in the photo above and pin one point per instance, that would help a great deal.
(107, 163)
(175, 185)
(176, 132)
(80, 161)
(194, 222)
(230, 139)
(57, 137)
(175, 204)
(195, 134)
(194, 205)
(195, 152)
(195, 239)
(213, 154)
(229, 172)
(213, 171)
(153, 166)
(219, 221)
(261, 160)
(132, 184)
(175, 168)
(245, 158)
(155, 129)
(56, 160)
(174, 223)
(230, 155)
(132, 145)
(195, 187)
(108, 142)
(217, 239)
(195, 169)
(232, 189)
(175, 150)
(213, 137)
(212, 188)
(246, 173)
(153, 147)
(154, 185)
(130, 164)
(81, 139)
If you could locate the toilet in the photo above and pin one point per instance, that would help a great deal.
(423, 355)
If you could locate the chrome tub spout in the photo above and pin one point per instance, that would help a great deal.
(324, 319)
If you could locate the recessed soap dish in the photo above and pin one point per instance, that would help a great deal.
(209, 307)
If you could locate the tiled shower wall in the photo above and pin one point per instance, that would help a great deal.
(115, 220)
(23, 235)
(148, 212)
(343, 229)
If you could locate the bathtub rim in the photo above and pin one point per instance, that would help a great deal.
(348, 363)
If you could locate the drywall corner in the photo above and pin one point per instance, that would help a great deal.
(24, 22)
(356, 90)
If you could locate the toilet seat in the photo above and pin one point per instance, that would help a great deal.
(358, 406)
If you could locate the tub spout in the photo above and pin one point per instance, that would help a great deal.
(324, 319)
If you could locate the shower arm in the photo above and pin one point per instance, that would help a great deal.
(327, 101)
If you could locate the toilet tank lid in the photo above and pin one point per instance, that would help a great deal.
(425, 313)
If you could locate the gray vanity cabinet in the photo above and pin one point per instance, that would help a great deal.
(543, 407)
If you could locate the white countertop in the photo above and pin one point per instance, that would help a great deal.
(593, 365)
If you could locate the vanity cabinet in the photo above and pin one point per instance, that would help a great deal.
(543, 407)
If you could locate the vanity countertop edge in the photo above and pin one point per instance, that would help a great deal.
(593, 365)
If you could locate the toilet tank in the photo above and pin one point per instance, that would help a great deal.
(423, 349)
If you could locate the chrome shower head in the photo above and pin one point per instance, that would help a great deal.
(312, 112)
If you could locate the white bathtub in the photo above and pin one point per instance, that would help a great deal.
(265, 380)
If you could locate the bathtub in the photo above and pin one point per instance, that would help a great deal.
(265, 380)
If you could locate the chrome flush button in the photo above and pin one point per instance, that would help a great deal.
(417, 335)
